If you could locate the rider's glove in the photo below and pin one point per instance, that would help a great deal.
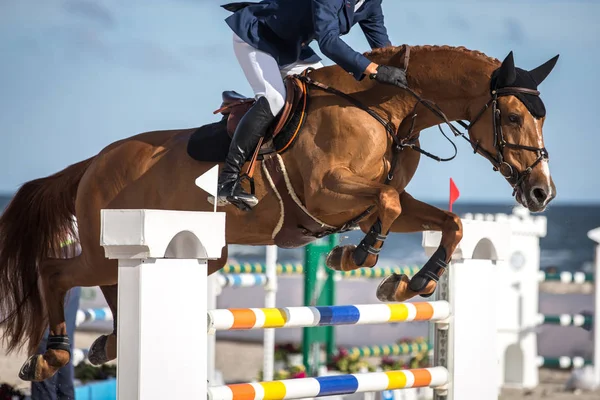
(390, 75)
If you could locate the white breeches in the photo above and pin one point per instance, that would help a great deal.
(264, 75)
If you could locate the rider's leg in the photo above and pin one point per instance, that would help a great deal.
(262, 72)
(298, 67)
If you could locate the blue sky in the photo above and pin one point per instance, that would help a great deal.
(77, 75)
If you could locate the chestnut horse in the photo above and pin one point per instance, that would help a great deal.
(343, 162)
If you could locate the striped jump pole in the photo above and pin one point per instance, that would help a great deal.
(566, 277)
(396, 349)
(332, 385)
(299, 269)
(562, 362)
(242, 280)
(583, 321)
(298, 317)
(93, 314)
(378, 272)
(260, 268)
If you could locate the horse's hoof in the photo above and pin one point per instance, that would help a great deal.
(28, 371)
(386, 291)
(340, 257)
(103, 350)
(396, 288)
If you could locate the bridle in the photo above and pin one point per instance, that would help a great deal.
(499, 163)
(512, 175)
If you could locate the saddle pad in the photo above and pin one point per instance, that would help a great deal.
(210, 142)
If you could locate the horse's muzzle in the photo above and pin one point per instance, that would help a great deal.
(535, 194)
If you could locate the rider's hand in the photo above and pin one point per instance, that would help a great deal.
(371, 69)
(390, 75)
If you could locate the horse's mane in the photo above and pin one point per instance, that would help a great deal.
(467, 65)
(390, 51)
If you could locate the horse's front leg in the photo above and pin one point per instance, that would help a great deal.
(416, 217)
(386, 199)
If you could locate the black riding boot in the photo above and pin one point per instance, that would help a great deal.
(252, 126)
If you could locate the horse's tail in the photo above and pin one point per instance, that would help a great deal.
(38, 219)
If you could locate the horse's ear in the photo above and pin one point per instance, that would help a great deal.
(540, 73)
(507, 74)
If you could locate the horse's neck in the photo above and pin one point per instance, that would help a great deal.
(456, 81)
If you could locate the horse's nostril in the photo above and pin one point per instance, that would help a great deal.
(539, 195)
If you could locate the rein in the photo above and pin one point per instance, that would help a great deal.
(513, 176)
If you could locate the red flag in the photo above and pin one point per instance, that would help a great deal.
(454, 193)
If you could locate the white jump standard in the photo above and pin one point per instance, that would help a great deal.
(162, 269)
(162, 352)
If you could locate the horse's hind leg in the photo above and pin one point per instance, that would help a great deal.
(386, 199)
(57, 276)
(416, 217)
(104, 349)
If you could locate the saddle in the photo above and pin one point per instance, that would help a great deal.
(284, 129)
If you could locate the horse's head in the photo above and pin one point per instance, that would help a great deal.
(508, 132)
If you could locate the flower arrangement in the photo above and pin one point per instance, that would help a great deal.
(391, 364)
(293, 372)
(288, 362)
(419, 339)
(283, 350)
(415, 360)
(287, 372)
(286, 367)
(87, 372)
(419, 359)
(349, 364)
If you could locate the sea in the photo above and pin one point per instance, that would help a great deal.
(565, 247)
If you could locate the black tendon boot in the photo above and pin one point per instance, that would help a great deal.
(252, 126)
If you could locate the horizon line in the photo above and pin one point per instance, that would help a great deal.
(474, 201)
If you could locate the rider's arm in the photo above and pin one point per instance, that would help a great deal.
(325, 18)
(374, 27)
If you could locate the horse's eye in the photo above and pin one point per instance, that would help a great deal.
(514, 118)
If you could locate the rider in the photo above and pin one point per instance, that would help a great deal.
(271, 39)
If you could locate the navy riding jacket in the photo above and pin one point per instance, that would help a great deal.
(284, 28)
